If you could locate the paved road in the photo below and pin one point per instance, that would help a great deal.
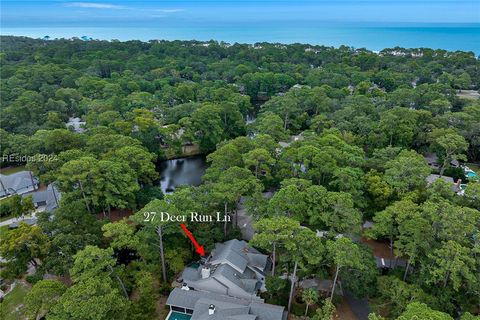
(7, 222)
(12, 220)
(360, 307)
(244, 222)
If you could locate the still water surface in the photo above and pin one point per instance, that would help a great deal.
(182, 171)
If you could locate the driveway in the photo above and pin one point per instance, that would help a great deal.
(12, 220)
(244, 222)
(359, 307)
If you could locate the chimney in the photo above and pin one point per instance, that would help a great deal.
(185, 287)
(211, 310)
(205, 272)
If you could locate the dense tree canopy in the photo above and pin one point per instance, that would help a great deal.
(308, 142)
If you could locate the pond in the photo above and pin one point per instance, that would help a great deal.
(181, 171)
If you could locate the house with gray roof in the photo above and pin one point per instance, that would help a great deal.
(454, 186)
(187, 304)
(232, 269)
(17, 183)
(76, 124)
(46, 200)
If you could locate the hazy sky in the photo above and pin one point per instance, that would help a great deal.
(130, 13)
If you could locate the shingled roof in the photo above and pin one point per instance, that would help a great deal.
(233, 268)
(17, 183)
(49, 198)
(226, 308)
(238, 254)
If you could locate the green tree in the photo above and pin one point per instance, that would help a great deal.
(93, 299)
(463, 81)
(472, 195)
(143, 305)
(344, 253)
(399, 125)
(114, 185)
(139, 160)
(259, 161)
(319, 123)
(439, 106)
(451, 222)
(103, 142)
(340, 214)
(207, 127)
(468, 316)
(397, 294)
(310, 296)
(76, 175)
(406, 172)
(450, 146)
(27, 205)
(223, 158)
(272, 233)
(275, 285)
(387, 222)
(121, 234)
(149, 218)
(361, 282)
(415, 235)
(23, 245)
(70, 231)
(451, 264)
(56, 141)
(285, 107)
(417, 310)
(15, 205)
(43, 296)
(326, 311)
(288, 201)
(94, 262)
(232, 184)
(306, 249)
(271, 124)
(302, 244)
(378, 192)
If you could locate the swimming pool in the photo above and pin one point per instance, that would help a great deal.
(178, 316)
(471, 174)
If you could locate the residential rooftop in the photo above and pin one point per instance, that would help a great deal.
(233, 269)
(212, 306)
(17, 183)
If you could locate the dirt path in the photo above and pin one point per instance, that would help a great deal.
(116, 214)
(380, 248)
(161, 311)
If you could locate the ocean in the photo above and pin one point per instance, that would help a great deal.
(373, 36)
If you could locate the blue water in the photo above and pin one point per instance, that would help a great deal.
(471, 175)
(179, 316)
(373, 36)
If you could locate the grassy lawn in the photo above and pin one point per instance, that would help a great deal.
(11, 170)
(5, 217)
(475, 167)
(12, 301)
(3, 230)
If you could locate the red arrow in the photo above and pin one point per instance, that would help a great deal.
(198, 248)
